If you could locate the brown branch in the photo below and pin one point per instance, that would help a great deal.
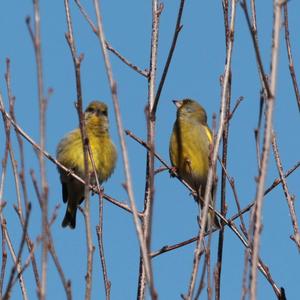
(99, 231)
(254, 37)
(177, 30)
(232, 185)
(205, 269)
(212, 169)
(289, 198)
(4, 253)
(77, 65)
(66, 283)
(257, 130)
(149, 185)
(144, 73)
(16, 265)
(236, 105)
(228, 116)
(15, 170)
(25, 266)
(99, 228)
(256, 219)
(108, 46)
(128, 181)
(289, 52)
(36, 40)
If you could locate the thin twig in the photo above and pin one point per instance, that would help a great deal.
(4, 254)
(228, 115)
(144, 73)
(149, 186)
(228, 222)
(85, 143)
(289, 52)
(15, 170)
(16, 266)
(66, 283)
(177, 30)
(257, 130)
(253, 31)
(217, 141)
(99, 228)
(289, 198)
(17, 263)
(128, 181)
(256, 220)
(36, 40)
(232, 185)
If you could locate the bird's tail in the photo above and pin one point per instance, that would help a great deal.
(212, 221)
(70, 218)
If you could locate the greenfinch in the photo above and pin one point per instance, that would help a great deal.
(190, 149)
(70, 154)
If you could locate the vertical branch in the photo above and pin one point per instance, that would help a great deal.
(2, 204)
(215, 152)
(22, 172)
(5, 236)
(16, 266)
(99, 229)
(150, 116)
(128, 181)
(289, 198)
(224, 161)
(4, 254)
(177, 30)
(36, 39)
(14, 257)
(77, 64)
(289, 52)
(7, 131)
(256, 227)
(66, 283)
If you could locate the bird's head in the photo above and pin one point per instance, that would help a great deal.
(96, 115)
(190, 110)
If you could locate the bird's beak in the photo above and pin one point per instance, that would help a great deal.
(177, 103)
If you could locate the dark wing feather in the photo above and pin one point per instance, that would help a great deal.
(64, 192)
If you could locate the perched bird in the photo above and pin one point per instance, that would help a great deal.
(70, 154)
(190, 149)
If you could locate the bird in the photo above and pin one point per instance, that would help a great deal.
(70, 154)
(189, 150)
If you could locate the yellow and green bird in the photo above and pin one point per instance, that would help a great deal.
(70, 154)
(190, 149)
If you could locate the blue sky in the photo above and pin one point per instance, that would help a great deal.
(195, 72)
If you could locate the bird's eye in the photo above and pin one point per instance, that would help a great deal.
(90, 109)
(188, 109)
(104, 112)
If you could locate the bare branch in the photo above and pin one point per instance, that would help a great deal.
(36, 40)
(217, 141)
(177, 30)
(128, 181)
(256, 218)
(289, 198)
(85, 144)
(109, 47)
(289, 52)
